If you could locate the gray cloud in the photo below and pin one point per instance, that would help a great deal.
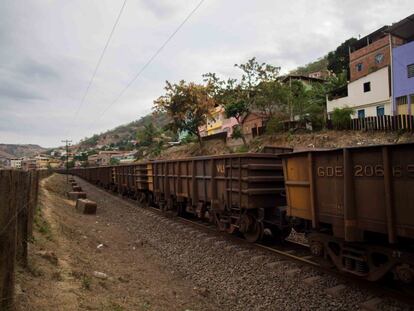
(14, 90)
(32, 69)
(160, 8)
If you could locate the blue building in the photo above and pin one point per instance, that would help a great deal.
(403, 67)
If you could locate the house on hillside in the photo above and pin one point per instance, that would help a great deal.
(254, 124)
(16, 163)
(29, 164)
(93, 160)
(379, 73)
(42, 161)
(403, 67)
(218, 123)
(104, 157)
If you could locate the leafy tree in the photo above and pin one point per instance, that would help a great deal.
(272, 97)
(113, 161)
(146, 135)
(316, 108)
(70, 164)
(299, 99)
(337, 81)
(188, 105)
(338, 60)
(341, 117)
(239, 98)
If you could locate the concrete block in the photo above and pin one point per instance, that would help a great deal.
(77, 188)
(74, 195)
(86, 206)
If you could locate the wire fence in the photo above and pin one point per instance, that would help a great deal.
(18, 200)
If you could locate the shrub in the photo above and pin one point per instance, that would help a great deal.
(341, 117)
(274, 125)
(237, 132)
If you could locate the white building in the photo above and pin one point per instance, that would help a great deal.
(369, 96)
(16, 163)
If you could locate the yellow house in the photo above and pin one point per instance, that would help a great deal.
(42, 162)
(55, 163)
(214, 124)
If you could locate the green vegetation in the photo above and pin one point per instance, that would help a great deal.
(86, 282)
(42, 225)
(319, 65)
(338, 60)
(341, 117)
(113, 161)
(187, 104)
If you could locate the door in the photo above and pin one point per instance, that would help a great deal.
(361, 113)
(380, 111)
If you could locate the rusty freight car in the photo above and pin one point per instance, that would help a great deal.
(243, 192)
(358, 205)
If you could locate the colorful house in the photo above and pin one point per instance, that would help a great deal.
(218, 123)
(379, 64)
(403, 67)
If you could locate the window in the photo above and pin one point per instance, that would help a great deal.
(361, 113)
(402, 100)
(380, 110)
(367, 87)
(410, 71)
(379, 58)
(359, 67)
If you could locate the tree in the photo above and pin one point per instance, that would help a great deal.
(338, 60)
(271, 97)
(341, 117)
(188, 105)
(239, 98)
(299, 99)
(146, 135)
(114, 161)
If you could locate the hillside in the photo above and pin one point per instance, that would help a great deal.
(297, 141)
(123, 133)
(19, 151)
(16, 150)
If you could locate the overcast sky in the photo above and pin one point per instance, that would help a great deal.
(49, 49)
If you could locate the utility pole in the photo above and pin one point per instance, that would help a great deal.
(67, 143)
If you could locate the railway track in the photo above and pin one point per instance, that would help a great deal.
(298, 252)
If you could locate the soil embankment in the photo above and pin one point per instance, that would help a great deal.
(84, 262)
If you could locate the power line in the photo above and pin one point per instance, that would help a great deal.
(98, 63)
(150, 60)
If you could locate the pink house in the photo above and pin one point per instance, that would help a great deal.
(228, 126)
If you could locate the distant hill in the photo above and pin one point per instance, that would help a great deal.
(19, 151)
(123, 133)
(319, 65)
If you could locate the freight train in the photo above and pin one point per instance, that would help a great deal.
(356, 205)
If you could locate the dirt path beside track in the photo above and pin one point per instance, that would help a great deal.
(84, 262)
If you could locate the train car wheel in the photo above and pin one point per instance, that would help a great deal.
(252, 228)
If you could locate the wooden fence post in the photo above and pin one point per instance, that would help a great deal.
(33, 202)
(8, 232)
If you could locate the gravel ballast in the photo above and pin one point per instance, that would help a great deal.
(233, 276)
